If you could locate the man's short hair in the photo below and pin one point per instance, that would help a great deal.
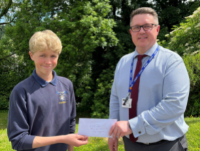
(144, 10)
(44, 40)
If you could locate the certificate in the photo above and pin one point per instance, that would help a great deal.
(95, 127)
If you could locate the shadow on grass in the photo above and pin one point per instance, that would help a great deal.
(82, 115)
(3, 119)
(98, 144)
(101, 148)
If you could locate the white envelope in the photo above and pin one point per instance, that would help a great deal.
(95, 127)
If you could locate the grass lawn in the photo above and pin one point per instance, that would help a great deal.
(100, 144)
(193, 135)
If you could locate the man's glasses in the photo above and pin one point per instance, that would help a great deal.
(146, 27)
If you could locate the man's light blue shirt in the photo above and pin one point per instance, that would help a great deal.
(162, 99)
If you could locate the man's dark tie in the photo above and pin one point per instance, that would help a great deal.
(134, 94)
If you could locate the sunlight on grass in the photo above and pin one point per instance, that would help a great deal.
(3, 120)
(193, 135)
(100, 144)
(97, 144)
(4, 143)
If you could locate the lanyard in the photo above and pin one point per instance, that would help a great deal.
(131, 83)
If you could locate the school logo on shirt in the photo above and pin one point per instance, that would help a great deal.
(62, 96)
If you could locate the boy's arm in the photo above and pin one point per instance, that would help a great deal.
(73, 115)
(70, 139)
(73, 111)
(18, 124)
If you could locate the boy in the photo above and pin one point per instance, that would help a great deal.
(42, 107)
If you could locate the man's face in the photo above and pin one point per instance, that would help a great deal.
(144, 40)
(45, 61)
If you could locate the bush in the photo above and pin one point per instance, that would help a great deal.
(101, 97)
(4, 103)
(192, 63)
(185, 40)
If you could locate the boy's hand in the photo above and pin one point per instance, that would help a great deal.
(75, 140)
(70, 139)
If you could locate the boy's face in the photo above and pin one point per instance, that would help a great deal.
(45, 61)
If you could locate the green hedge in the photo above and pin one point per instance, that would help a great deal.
(192, 63)
(185, 40)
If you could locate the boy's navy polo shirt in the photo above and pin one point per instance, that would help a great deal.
(39, 108)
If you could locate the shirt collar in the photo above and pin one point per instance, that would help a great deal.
(42, 82)
(148, 52)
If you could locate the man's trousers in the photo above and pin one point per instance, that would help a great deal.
(179, 144)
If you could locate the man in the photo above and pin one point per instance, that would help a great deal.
(150, 110)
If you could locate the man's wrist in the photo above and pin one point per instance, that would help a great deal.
(130, 129)
(70, 148)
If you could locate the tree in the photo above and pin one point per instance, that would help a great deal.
(5, 56)
(172, 12)
(5, 5)
(11, 71)
(2, 31)
(184, 39)
(81, 25)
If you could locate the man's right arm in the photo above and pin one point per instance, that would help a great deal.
(114, 100)
(113, 113)
(114, 105)
(113, 144)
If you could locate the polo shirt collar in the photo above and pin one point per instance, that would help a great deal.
(148, 52)
(42, 82)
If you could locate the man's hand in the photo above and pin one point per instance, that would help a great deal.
(75, 140)
(120, 129)
(113, 144)
(70, 148)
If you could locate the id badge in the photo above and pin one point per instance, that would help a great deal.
(128, 103)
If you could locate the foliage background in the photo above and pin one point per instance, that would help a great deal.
(185, 40)
(95, 35)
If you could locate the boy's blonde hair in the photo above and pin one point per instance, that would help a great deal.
(44, 40)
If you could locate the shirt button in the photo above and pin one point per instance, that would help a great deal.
(139, 132)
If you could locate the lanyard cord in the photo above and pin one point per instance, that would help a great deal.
(131, 84)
